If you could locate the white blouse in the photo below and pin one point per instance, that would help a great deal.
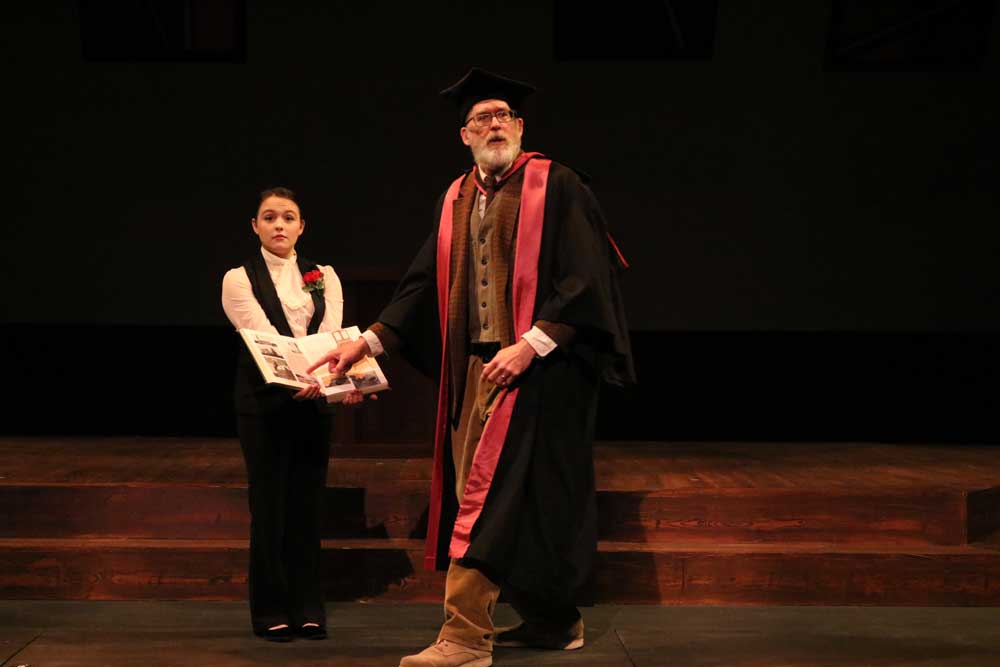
(245, 312)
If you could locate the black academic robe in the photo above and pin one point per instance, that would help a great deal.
(537, 525)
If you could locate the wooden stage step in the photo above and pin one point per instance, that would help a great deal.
(911, 516)
(680, 523)
(389, 570)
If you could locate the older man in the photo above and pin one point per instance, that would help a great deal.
(515, 297)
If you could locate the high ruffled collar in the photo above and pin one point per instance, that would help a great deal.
(287, 279)
(277, 262)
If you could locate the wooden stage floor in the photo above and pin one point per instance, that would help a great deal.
(216, 634)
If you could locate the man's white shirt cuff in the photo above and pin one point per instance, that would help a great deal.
(539, 341)
(373, 342)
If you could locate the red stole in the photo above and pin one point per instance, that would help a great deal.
(523, 289)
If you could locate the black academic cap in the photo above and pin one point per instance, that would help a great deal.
(478, 85)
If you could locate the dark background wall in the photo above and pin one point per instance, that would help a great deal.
(811, 223)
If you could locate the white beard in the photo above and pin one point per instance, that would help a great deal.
(497, 160)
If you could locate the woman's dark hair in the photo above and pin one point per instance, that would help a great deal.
(284, 193)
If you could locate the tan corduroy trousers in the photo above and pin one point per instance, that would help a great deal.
(469, 596)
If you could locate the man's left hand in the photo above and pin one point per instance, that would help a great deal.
(509, 363)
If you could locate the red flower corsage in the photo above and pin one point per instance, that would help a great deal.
(312, 281)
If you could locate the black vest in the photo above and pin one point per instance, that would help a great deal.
(251, 394)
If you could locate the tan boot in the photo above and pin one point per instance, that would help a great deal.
(535, 636)
(448, 654)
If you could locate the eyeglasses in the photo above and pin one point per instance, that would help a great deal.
(485, 119)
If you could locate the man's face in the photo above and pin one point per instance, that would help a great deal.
(494, 146)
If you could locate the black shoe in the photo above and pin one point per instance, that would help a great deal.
(312, 632)
(282, 634)
(535, 636)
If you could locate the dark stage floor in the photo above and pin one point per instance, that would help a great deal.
(65, 634)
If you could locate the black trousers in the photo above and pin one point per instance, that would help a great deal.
(286, 456)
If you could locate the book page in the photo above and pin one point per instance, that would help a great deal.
(278, 362)
(313, 348)
(298, 361)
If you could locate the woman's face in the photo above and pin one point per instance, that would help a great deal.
(278, 225)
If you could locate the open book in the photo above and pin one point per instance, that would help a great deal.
(283, 360)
